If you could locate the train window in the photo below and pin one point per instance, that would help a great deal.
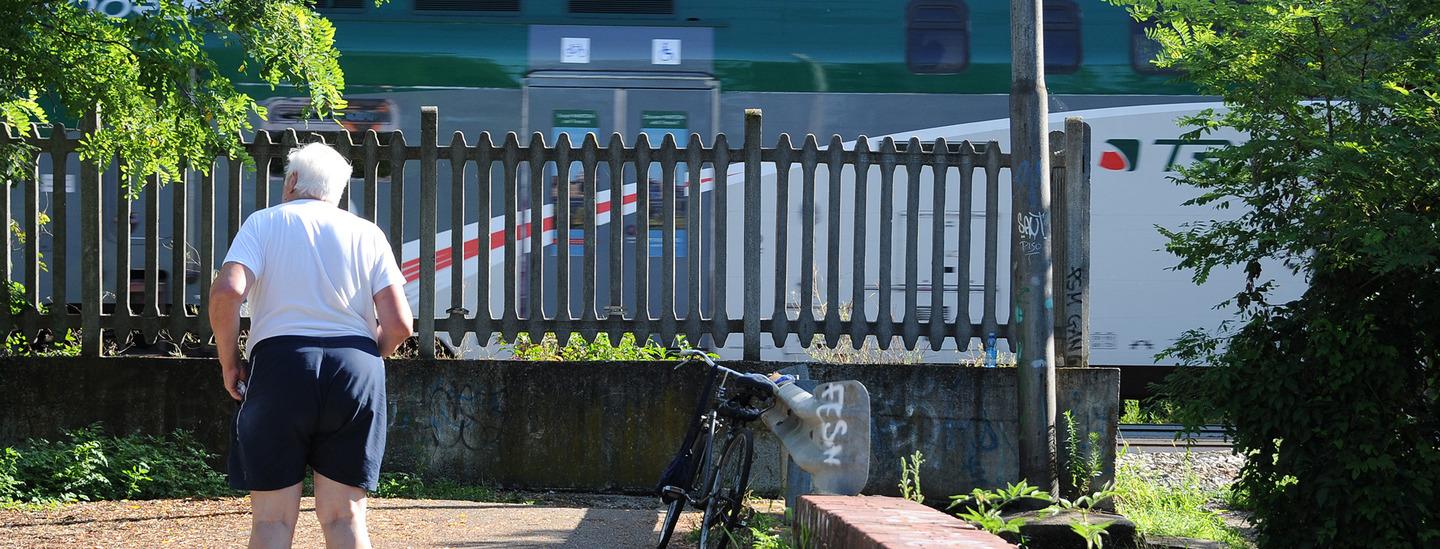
(1144, 49)
(1062, 36)
(468, 5)
(937, 37)
(340, 4)
(641, 7)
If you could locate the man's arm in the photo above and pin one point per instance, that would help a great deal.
(396, 321)
(229, 291)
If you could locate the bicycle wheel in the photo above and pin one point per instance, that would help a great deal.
(720, 527)
(677, 505)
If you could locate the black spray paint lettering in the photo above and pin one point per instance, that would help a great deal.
(1074, 281)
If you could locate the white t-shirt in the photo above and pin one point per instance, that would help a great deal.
(317, 268)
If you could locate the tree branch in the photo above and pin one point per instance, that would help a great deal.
(70, 34)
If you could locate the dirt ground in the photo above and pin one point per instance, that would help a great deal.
(554, 520)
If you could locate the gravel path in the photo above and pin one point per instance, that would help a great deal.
(558, 521)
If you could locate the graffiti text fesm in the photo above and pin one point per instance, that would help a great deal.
(830, 431)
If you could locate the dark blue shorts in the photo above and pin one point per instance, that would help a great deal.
(317, 401)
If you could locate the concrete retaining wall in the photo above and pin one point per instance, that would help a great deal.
(609, 426)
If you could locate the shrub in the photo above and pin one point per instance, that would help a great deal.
(87, 465)
(577, 349)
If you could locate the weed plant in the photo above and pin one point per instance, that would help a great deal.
(88, 465)
(548, 348)
(1183, 510)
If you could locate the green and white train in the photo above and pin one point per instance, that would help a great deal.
(917, 68)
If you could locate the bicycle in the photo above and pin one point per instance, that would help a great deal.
(717, 487)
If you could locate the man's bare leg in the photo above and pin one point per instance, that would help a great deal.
(340, 508)
(272, 522)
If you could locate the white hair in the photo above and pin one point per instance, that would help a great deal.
(320, 172)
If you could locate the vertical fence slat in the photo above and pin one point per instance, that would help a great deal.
(992, 239)
(719, 206)
(615, 158)
(510, 160)
(458, 250)
(938, 213)
(397, 195)
(535, 275)
(152, 254)
(589, 160)
(32, 233)
(963, 331)
(261, 150)
(563, 153)
(90, 248)
(809, 151)
(345, 146)
(123, 262)
(780, 317)
(429, 157)
(484, 154)
(177, 322)
(59, 267)
(858, 325)
(835, 165)
(370, 200)
(694, 221)
(668, 164)
(235, 173)
(7, 322)
(752, 234)
(642, 238)
(885, 322)
(911, 327)
(1057, 242)
(1077, 245)
(206, 246)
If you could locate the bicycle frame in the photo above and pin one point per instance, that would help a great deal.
(720, 410)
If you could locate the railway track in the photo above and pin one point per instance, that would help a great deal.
(1163, 437)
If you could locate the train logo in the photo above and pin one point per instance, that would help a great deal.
(1125, 157)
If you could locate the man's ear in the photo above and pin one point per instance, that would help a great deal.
(290, 180)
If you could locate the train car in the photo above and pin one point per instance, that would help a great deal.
(903, 69)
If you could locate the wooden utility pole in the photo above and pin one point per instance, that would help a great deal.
(1032, 322)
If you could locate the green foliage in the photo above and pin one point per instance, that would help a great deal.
(577, 349)
(983, 507)
(1083, 467)
(409, 486)
(165, 101)
(1182, 509)
(1152, 411)
(89, 465)
(1335, 396)
(910, 477)
(1092, 532)
(47, 344)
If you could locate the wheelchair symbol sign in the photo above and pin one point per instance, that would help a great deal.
(664, 51)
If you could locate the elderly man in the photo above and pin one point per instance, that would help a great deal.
(327, 302)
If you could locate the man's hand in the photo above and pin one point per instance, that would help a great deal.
(229, 290)
(396, 321)
(233, 378)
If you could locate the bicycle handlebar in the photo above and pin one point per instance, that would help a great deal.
(691, 355)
